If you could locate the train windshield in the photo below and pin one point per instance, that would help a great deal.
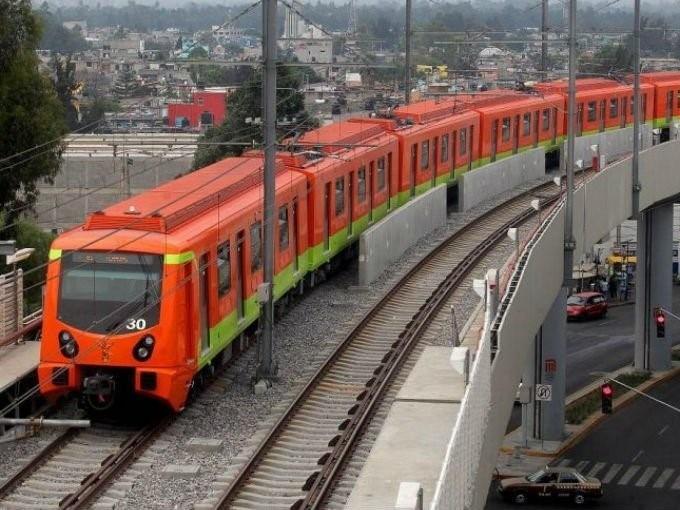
(112, 293)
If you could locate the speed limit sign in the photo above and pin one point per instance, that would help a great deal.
(544, 392)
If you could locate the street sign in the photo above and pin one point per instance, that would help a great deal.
(544, 392)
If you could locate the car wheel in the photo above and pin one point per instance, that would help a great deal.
(520, 498)
(579, 499)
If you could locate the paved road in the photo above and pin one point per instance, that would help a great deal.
(634, 452)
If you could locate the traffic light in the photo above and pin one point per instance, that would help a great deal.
(660, 321)
(607, 394)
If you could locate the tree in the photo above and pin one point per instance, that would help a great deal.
(611, 60)
(57, 38)
(198, 52)
(67, 87)
(31, 117)
(28, 234)
(126, 85)
(246, 103)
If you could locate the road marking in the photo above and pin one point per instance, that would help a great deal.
(646, 476)
(596, 469)
(605, 323)
(580, 466)
(676, 484)
(564, 462)
(637, 456)
(613, 471)
(630, 473)
(663, 478)
(663, 430)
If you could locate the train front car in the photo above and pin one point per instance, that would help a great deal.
(132, 309)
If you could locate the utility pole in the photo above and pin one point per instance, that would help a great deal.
(407, 62)
(266, 369)
(569, 242)
(126, 174)
(637, 109)
(544, 40)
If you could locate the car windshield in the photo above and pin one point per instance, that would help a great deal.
(576, 300)
(103, 292)
(534, 477)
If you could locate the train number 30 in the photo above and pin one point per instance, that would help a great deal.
(136, 324)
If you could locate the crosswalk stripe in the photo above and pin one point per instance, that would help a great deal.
(613, 471)
(676, 484)
(581, 465)
(663, 478)
(564, 462)
(646, 476)
(630, 473)
(596, 468)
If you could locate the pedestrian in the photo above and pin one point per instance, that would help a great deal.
(612, 286)
(623, 290)
(604, 286)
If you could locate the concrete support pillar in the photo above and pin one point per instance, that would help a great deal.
(548, 367)
(653, 286)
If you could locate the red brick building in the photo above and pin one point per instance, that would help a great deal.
(207, 108)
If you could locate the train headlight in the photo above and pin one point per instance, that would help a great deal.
(144, 348)
(68, 345)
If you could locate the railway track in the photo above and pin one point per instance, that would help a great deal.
(298, 462)
(75, 467)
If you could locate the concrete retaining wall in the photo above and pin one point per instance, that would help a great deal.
(88, 184)
(483, 183)
(387, 240)
(611, 144)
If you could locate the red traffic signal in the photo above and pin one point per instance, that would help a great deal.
(607, 394)
(660, 321)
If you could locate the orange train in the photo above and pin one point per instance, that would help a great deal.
(150, 293)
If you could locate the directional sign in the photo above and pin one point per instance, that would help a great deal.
(544, 392)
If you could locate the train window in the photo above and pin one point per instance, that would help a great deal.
(223, 269)
(592, 111)
(506, 129)
(526, 124)
(361, 184)
(445, 148)
(339, 196)
(613, 108)
(255, 246)
(546, 120)
(283, 227)
(632, 105)
(381, 173)
(462, 146)
(425, 155)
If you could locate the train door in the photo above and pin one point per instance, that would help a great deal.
(494, 140)
(624, 111)
(414, 168)
(240, 283)
(553, 119)
(350, 218)
(603, 114)
(579, 120)
(296, 232)
(515, 135)
(371, 176)
(389, 180)
(454, 155)
(469, 144)
(327, 216)
(669, 106)
(435, 165)
(204, 301)
(536, 127)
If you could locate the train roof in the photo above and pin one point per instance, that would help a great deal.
(514, 102)
(169, 206)
(338, 136)
(562, 86)
(659, 77)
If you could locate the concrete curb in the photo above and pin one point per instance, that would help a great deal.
(596, 418)
(617, 304)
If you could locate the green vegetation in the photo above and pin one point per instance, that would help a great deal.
(31, 117)
(675, 355)
(245, 103)
(581, 410)
(56, 37)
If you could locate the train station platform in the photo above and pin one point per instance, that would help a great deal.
(16, 362)
(412, 442)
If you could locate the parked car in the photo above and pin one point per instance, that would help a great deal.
(551, 484)
(586, 305)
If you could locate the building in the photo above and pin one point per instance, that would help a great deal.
(206, 108)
